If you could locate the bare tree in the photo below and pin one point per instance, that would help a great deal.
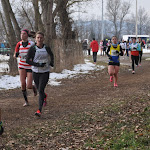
(117, 10)
(38, 20)
(13, 18)
(143, 20)
(143, 23)
(11, 36)
(44, 20)
(49, 22)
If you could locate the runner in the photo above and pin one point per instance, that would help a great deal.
(101, 48)
(134, 52)
(141, 51)
(113, 52)
(25, 71)
(40, 57)
(130, 43)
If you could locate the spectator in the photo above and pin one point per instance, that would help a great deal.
(94, 45)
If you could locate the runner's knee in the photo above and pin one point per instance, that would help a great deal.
(29, 86)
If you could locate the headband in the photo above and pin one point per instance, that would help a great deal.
(27, 31)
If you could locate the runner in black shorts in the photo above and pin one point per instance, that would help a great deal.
(25, 71)
(113, 52)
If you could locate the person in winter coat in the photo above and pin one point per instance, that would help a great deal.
(94, 46)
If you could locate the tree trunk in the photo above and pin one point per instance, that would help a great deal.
(49, 23)
(4, 26)
(38, 21)
(25, 13)
(65, 20)
(15, 23)
(44, 5)
(12, 37)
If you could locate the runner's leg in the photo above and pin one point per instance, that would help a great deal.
(23, 75)
(136, 60)
(133, 59)
(43, 80)
(140, 57)
(30, 83)
(94, 57)
(1, 125)
(116, 74)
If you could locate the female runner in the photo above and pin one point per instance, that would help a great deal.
(41, 58)
(25, 71)
(113, 52)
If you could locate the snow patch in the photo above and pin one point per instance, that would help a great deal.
(10, 82)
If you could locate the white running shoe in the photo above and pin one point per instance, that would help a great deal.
(25, 104)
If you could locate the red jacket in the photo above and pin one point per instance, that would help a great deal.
(94, 46)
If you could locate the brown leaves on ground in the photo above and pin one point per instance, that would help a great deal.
(83, 113)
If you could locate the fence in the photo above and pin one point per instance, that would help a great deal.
(5, 50)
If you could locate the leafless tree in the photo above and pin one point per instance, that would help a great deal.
(10, 35)
(143, 23)
(117, 10)
(143, 20)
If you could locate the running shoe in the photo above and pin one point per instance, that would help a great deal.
(45, 102)
(133, 72)
(140, 65)
(25, 104)
(111, 78)
(115, 85)
(38, 113)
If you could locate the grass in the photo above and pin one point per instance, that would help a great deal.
(108, 128)
(128, 139)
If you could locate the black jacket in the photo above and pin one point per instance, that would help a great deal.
(31, 54)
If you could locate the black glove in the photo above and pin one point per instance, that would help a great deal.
(40, 64)
(117, 53)
(110, 57)
(52, 64)
(1, 128)
(17, 54)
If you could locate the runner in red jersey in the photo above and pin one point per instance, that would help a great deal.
(25, 71)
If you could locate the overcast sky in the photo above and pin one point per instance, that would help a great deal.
(93, 9)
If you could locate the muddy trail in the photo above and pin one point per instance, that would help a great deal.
(80, 94)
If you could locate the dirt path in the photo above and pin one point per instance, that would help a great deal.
(81, 94)
(75, 95)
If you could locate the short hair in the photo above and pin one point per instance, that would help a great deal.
(114, 36)
(39, 32)
(93, 38)
(134, 38)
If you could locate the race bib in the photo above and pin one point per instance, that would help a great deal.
(23, 56)
(114, 53)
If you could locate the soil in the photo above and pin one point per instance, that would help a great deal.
(82, 93)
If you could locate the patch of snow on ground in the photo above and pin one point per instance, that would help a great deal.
(4, 57)
(4, 67)
(10, 82)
